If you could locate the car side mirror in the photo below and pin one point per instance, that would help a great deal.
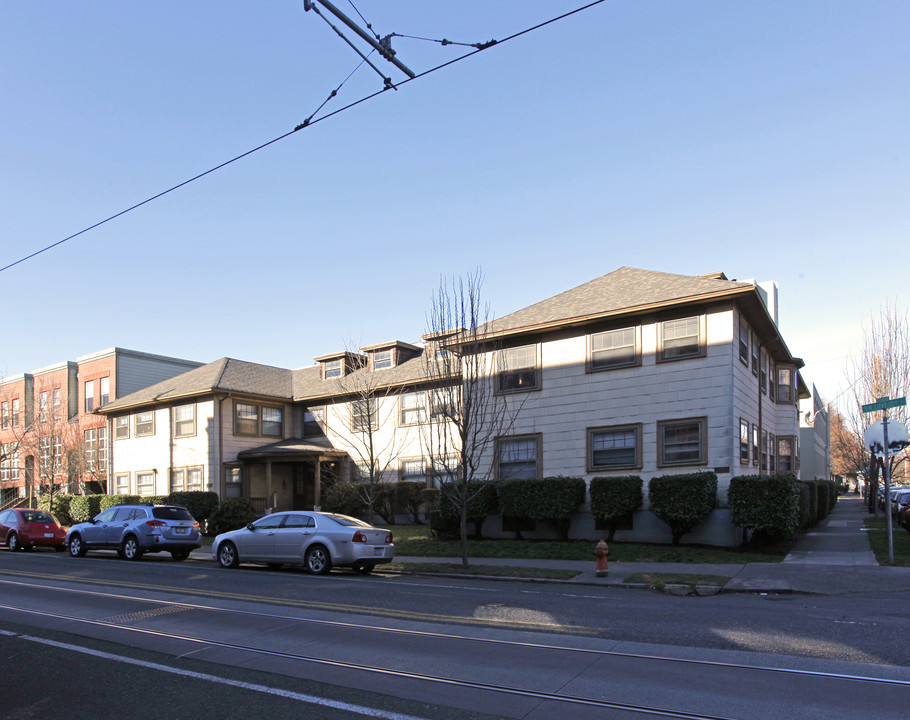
(250, 526)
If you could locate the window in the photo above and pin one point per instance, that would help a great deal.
(413, 470)
(121, 427)
(763, 381)
(772, 380)
(785, 385)
(89, 396)
(145, 484)
(413, 408)
(614, 447)
(382, 359)
(764, 451)
(233, 482)
(9, 467)
(518, 458)
(681, 338)
(772, 455)
(518, 369)
(56, 401)
(785, 455)
(186, 479)
(443, 468)
(42, 406)
(614, 348)
(444, 402)
(145, 423)
(246, 419)
(184, 420)
(755, 353)
(272, 421)
(743, 442)
(105, 390)
(122, 483)
(681, 442)
(314, 421)
(15, 412)
(755, 444)
(363, 415)
(255, 420)
(4, 415)
(332, 369)
(91, 449)
(743, 341)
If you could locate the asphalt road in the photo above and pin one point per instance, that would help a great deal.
(600, 642)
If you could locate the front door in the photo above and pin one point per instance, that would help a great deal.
(304, 486)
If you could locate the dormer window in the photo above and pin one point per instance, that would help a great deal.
(332, 369)
(382, 359)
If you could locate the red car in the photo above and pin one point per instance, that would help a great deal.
(23, 529)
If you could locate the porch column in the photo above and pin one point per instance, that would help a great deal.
(268, 484)
(317, 490)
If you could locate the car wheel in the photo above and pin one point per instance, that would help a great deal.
(179, 556)
(77, 546)
(12, 543)
(227, 555)
(318, 560)
(131, 549)
(364, 568)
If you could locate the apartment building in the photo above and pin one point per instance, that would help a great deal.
(636, 372)
(50, 436)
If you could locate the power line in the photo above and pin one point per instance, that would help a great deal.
(480, 47)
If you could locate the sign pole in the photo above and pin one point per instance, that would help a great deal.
(888, 489)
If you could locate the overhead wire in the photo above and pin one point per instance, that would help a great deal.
(309, 122)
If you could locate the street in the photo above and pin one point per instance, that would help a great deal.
(436, 647)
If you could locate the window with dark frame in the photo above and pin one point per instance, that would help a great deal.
(755, 444)
(233, 482)
(518, 458)
(743, 442)
(414, 470)
(382, 359)
(785, 455)
(784, 384)
(682, 442)
(743, 341)
(272, 421)
(614, 447)
(680, 338)
(613, 348)
(518, 369)
(246, 419)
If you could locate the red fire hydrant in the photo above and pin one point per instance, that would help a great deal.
(601, 552)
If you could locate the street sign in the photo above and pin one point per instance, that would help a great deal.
(884, 403)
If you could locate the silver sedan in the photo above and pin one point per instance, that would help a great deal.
(316, 540)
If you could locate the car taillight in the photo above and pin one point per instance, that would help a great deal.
(359, 537)
(155, 523)
(388, 539)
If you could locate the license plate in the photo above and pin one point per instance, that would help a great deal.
(49, 535)
(379, 551)
(182, 531)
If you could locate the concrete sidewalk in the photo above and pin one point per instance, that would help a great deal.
(834, 558)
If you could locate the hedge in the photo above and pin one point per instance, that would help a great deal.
(769, 506)
(615, 498)
(230, 514)
(683, 501)
(344, 498)
(409, 498)
(482, 502)
(84, 507)
(553, 499)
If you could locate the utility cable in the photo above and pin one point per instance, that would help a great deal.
(308, 123)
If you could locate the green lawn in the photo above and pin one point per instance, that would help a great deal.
(878, 538)
(415, 540)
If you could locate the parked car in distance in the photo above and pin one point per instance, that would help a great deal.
(24, 529)
(898, 499)
(133, 530)
(319, 541)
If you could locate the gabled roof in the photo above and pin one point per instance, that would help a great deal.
(222, 376)
(621, 291)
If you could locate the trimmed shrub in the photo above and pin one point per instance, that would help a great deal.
(683, 501)
(812, 489)
(805, 505)
(59, 507)
(344, 498)
(109, 501)
(429, 498)
(231, 514)
(553, 499)
(482, 502)
(825, 501)
(615, 498)
(383, 501)
(409, 498)
(767, 505)
(84, 507)
(200, 504)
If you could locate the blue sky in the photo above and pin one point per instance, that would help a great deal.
(765, 140)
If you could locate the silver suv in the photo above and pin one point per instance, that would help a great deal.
(133, 530)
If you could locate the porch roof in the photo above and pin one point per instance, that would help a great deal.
(292, 448)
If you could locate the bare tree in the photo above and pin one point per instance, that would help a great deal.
(882, 369)
(374, 439)
(469, 414)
